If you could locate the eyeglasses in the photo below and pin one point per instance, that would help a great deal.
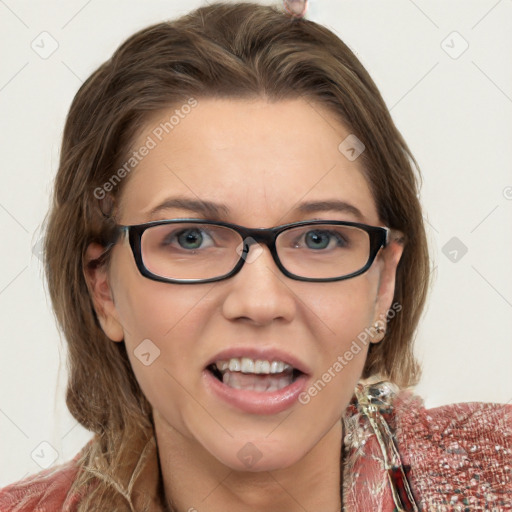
(188, 251)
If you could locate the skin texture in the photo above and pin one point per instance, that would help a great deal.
(261, 160)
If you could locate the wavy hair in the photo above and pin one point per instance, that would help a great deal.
(223, 50)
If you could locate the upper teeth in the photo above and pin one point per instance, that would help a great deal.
(248, 365)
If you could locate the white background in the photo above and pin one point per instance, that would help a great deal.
(455, 113)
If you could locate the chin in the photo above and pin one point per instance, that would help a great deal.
(257, 456)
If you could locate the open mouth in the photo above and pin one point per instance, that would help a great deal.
(254, 375)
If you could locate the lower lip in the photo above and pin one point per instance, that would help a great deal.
(256, 402)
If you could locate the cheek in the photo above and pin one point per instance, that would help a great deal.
(163, 324)
(161, 311)
(343, 313)
(344, 309)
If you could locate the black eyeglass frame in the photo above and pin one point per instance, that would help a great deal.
(379, 238)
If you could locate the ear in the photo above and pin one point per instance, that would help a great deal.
(390, 257)
(96, 277)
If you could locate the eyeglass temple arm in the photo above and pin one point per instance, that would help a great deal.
(395, 235)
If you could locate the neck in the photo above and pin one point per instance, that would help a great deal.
(194, 481)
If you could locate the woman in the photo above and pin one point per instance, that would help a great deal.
(244, 268)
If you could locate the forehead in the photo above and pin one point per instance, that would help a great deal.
(259, 159)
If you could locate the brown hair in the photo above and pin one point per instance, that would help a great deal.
(221, 50)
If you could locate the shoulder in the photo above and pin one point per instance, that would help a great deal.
(454, 457)
(46, 491)
(459, 454)
(482, 429)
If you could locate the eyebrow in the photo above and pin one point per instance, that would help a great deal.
(207, 208)
(331, 205)
(217, 210)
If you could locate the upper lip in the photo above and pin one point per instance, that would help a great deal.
(263, 354)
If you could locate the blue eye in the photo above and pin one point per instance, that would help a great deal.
(317, 239)
(190, 239)
(322, 239)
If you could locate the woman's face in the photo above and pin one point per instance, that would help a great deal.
(259, 163)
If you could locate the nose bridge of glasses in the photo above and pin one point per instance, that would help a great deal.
(253, 239)
(255, 236)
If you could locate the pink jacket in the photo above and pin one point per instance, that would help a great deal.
(398, 456)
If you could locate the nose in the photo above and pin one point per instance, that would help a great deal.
(259, 293)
